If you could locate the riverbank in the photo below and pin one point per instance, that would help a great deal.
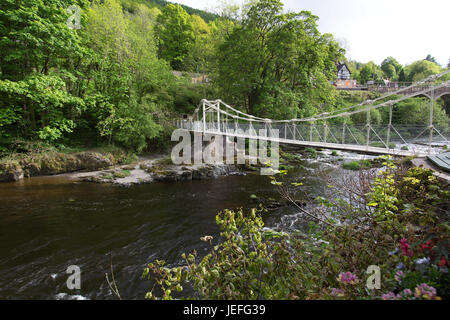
(116, 166)
(102, 166)
(16, 167)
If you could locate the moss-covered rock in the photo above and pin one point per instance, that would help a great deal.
(51, 163)
(95, 160)
(56, 163)
(10, 171)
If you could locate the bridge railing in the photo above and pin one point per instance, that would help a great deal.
(219, 118)
(413, 138)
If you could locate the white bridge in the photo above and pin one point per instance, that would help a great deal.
(333, 130)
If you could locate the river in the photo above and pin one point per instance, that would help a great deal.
(50, 223)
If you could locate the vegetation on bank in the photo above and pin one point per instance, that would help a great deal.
(397, 222)
(111, 81)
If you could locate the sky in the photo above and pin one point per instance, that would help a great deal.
(371, 30)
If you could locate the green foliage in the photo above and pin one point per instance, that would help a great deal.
(357, 165)
(253, 262)
(102, 83)
(391, 68)
(421, 69)
(121, 174)
(276, 65)
(311, 152)
(379, 144)
(130, 5)
(175, 35)
(416, 111)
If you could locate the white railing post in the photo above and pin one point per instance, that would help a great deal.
(218, 116)
(204, 117)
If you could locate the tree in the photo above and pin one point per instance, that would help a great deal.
(421, 69)
(36, 49)
(277, 65)
(198, 55)
(402, 76)
(126, 72)
(391, 68)
(431, 59)
(175, 35)
(370, 71)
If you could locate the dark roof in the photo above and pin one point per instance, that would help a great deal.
(341, 65)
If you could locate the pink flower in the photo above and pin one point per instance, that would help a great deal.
(399, 275)
(426, 292)
(405, 248)
(348, 278)
(389, 296)
(406, 294)
(337, 292)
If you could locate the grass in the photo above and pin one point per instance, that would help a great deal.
(311, 152)
(381, 145)
(165, 161)
(334, 153)
(122, 174)
(357, 165)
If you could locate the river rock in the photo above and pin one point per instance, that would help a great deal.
(10, 171)
(94, 160)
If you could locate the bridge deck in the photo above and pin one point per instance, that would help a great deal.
(324, 145)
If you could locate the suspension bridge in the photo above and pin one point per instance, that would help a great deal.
(335, 130)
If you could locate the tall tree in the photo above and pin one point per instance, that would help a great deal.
(421, 69)
(402, 76)
(431, 59)
(391, 68)
(197, 59)
(36, 48)
(175, 35)
(370, 71)
(277, 64)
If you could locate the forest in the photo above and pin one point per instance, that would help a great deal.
(103, 74)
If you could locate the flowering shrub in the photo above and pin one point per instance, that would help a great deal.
(405, 248)
(348, 278)
(397, 229)
(406, 294)
(426, 292)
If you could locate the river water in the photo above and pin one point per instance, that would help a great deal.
(50, 223)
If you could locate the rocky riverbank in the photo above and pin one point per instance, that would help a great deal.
(159, 170)
(53, 163)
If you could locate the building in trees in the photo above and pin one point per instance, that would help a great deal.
(344, 76)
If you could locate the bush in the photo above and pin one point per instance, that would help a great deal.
(357, 165)
(311, 152)
(253, 262)
(382, 145)
(122, 174)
